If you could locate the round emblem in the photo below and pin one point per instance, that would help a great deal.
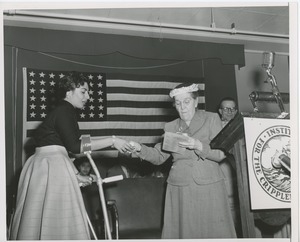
(271, 162)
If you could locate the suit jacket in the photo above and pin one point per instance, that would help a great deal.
(201, 167)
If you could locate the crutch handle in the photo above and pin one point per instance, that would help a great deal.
(112, 179)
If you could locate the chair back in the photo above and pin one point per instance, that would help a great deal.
(140, 203)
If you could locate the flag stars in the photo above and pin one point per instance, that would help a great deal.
(32, 106)
(32, 114)
(43, 83)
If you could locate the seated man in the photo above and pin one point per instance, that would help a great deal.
(227, 109)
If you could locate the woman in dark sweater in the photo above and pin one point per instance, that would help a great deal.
(49, 202)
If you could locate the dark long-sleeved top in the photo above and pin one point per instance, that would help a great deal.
(60, 128)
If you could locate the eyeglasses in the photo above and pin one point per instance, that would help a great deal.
(227, 110)
(186, 102)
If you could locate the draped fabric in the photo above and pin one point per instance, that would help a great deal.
(55, 41)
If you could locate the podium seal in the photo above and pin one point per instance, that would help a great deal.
(271, 162)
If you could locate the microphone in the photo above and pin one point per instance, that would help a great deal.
(268, 60)
(268, 64)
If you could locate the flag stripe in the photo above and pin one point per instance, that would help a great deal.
(132, 97)
(135, 104)
(169, 80)
(140, 83)
(108, 125)
(142, 91)
(139, 118)
(118, 132)
(141, 111)
(146, 98)
(121, 125)
(125, 132)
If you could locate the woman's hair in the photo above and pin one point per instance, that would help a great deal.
(68, 83)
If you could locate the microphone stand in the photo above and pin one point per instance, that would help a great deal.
(268, 63)
(275, 90)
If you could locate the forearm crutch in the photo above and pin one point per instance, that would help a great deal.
(87, 150)
(101, 193)
(91, 227)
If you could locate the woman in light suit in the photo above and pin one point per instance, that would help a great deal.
(196, 203)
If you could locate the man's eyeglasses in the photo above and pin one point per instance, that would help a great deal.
(227, 110)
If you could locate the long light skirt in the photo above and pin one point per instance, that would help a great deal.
(49, 201)
(197, 212)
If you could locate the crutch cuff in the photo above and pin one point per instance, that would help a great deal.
(86, 144)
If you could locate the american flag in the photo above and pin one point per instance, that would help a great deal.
(130, 107)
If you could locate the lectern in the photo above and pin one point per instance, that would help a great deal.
(232, 139)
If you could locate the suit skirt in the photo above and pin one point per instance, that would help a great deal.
(197, 212)
(49, 202)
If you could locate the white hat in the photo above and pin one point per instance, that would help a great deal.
(180, 90)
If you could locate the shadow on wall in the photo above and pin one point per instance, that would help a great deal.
(256, 80)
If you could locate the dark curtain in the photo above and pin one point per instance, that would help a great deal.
(115, 55)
